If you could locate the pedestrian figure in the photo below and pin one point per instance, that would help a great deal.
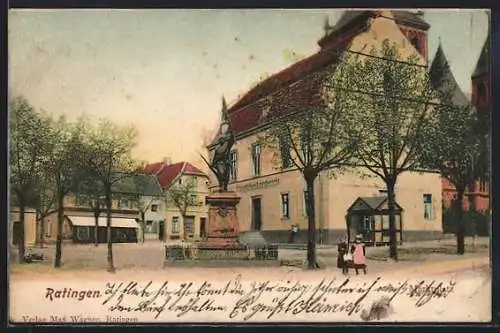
(293, 232)
(342, 249)
(358, 250)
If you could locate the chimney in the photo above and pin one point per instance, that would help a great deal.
(167, 160)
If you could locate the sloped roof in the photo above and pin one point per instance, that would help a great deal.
(443, 79)
(295, 87)
(374, 202)
(351, 17)
(410, 18)
(371, 203)
(168, 173)
(141, 184)
(483, 63)
(152, 168)
(246, 113)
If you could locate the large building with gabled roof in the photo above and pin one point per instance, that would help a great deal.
(272, 196)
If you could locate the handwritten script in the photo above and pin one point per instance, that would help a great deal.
(240, 300)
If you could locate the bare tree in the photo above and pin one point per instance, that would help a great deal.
(314, 139)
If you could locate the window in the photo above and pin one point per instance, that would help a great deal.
(256, 159)
(83, 233)
(286, 159)
(482, 184)
(123, 203)
(154, 208)
(428, 211)
(150, 227)
(48, 229)
(193, 199)
(233, 159)
(175, 225)
(367, 223)
(305, 203)
(189, 225)
(285, 206)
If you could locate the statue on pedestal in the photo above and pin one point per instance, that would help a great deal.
(220, 163)
(222, 227)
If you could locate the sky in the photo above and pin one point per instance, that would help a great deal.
(165, 71)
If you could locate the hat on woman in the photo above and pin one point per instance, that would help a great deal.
(359, 238)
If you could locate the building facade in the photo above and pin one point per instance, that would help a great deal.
(477, 195)
(273, 196)
(133, 196)
(30, 226)
(79, 223)
(144, 193)
(183, 176)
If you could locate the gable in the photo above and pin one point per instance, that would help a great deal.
(359, 205)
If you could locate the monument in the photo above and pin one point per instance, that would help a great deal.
(221, 245)
(222, 227)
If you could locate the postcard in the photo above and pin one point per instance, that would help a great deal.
(249, 166)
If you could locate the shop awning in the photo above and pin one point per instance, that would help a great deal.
(116, 222)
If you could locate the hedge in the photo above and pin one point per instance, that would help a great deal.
(476, 223)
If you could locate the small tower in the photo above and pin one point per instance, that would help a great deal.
(481, 76)
(442, 78)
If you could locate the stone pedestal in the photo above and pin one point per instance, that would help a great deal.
(222, 226)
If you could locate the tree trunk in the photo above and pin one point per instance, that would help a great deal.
(460, 231)
(143, 226)
(60, 223)
(97, 213)
(311, 239)
(20, 241)
(183, 225)
(111, 267)
(38, 240)
(42, 231)
(393, 242)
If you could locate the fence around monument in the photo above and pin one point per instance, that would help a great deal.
(192, 252)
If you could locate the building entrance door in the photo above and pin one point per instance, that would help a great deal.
(256, 214)
(188, 227)
(203, 228)
(161, 230)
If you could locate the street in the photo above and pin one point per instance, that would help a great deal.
(149, 256)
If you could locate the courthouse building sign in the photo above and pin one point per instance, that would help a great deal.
(258, 185)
